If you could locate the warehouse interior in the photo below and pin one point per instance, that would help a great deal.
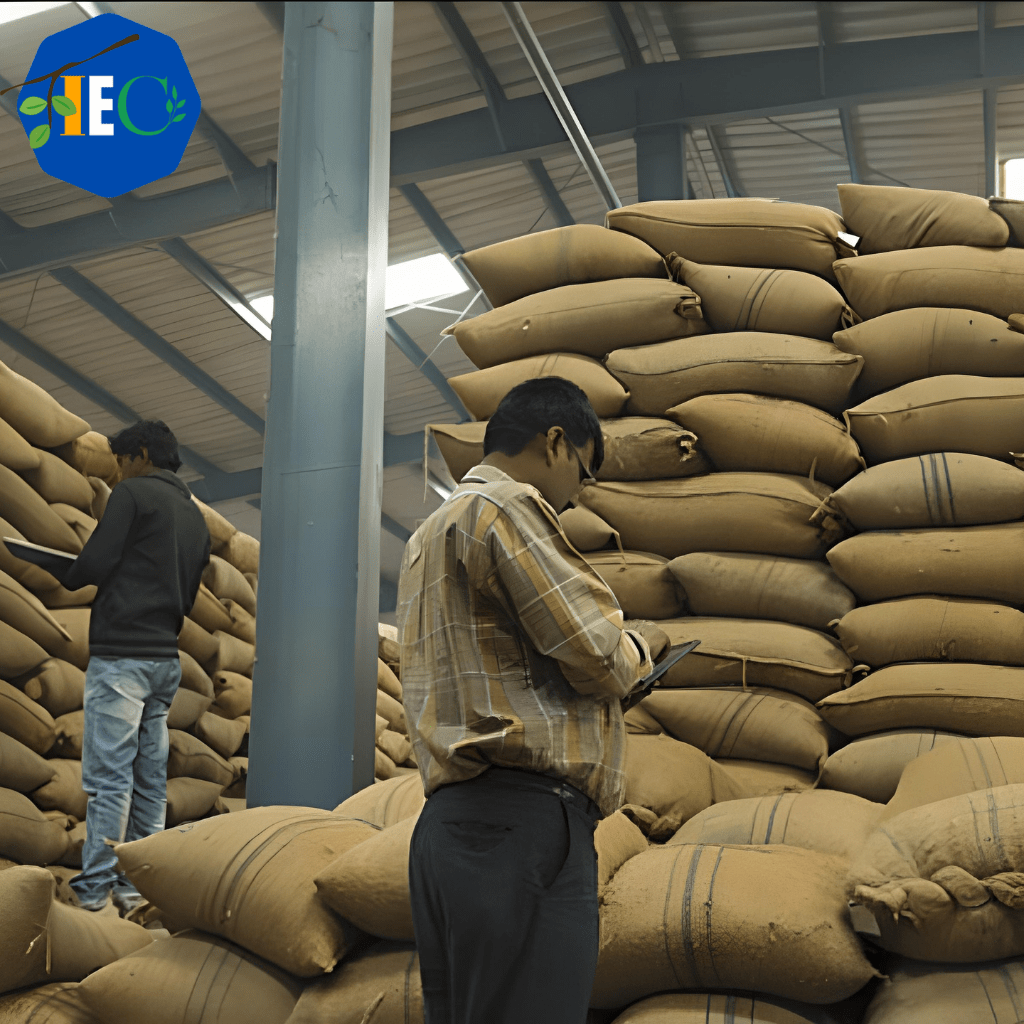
(313, 301)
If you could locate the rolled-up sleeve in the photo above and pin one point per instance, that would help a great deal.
(566, 610)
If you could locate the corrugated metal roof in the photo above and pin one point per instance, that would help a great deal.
(235, 58)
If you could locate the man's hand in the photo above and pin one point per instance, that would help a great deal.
(657, 639)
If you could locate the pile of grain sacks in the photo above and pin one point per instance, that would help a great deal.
(830, 789)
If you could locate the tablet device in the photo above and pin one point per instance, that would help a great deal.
(674, 654)
(50, 559)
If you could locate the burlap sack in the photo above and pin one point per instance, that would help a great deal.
(197, 642)
(957, 768)
(383, 767)
(195, 978)
(591, 319)
(25, 720)
(26, 834)
(224, 581)
(240, 766)
(233, 655)
(871, 767)
(81, 522)
(34, 414)
(90, 454)
(386, 678)
(64, 791)
(234, 694)
(223, 735)
(974, 561)
(940, 489)
(59, 597)
(754, 299)
(766, 513)
(801, 369)
(674, 780)
(587, 531)
(385, 803)
(208, 612)
(976, 700)
(243, 625)
(952, 276)
(616, 839)
(58, 1003)
(911, 344)
(916, 993)
(189, 800)
(754, 434)
(945, 882)
(578, 254)
(821, 820)
(187, 708)
(641, 583)
(738, 232)
(392, 710)
(382, 724)
(762, 778)
(81, 941)
(888, 218)
(482, 390)
(773, 919)
(190, 757)
(461, 445)
(644, 448)
(70, 730)
(221, 529)
(744, 725)
(793, 590)
(18, 653)
(1012, 211)
(101, 495)
(395, 745)
(756, 653)
(933, 629)
(193, 677)
(719, 1008)
(243, 552)
(248, 877)
(29, 514)
(76, 650)
(977, 415)
(22, 769)
(15, 452)
(58, 686)
(77, 834)
(381, 984)
(55, 481)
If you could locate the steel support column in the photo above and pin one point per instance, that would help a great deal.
(314, 684)
(991, 144)
(852, 144)
(660, 163)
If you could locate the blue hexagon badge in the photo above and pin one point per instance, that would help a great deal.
(109, 105)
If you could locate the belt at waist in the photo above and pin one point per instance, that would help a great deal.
(564, 790)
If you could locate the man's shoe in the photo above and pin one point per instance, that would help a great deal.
(128, 905)
(99, 908)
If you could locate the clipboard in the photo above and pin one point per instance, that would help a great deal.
(674, 655)
(53, 561)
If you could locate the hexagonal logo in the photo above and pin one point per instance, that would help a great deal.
(109, 105)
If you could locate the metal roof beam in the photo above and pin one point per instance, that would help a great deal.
(726, 167)
(571, 125)
(88, 388)
(397, 333)
(186, 211)
(274, 13)
(443, 235)
(622, 33)
(160, 347)
(852, 143)
(713, 90)
(395, 528)
(661, 163)
(552, 200)
(205, 272)
(990, 116)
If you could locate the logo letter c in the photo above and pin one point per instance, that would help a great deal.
(122, 105)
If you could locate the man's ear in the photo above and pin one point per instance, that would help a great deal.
(554, 435)
(145, 454)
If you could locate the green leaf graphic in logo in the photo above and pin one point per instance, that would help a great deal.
(33, 105)
(169, 107)
(174, 92)
(63, 106)
(39, 136)
(180, 117)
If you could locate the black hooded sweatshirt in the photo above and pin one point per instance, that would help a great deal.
(146, 557)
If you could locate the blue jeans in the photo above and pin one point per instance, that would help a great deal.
(124, 765)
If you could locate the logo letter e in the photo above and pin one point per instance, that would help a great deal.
(98, 103)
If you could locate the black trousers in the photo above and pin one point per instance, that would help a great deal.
(503, 877)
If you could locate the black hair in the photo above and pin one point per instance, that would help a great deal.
(534, 407)
(153, 435)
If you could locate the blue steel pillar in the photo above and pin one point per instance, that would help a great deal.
(314, 687)
(661, 163)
